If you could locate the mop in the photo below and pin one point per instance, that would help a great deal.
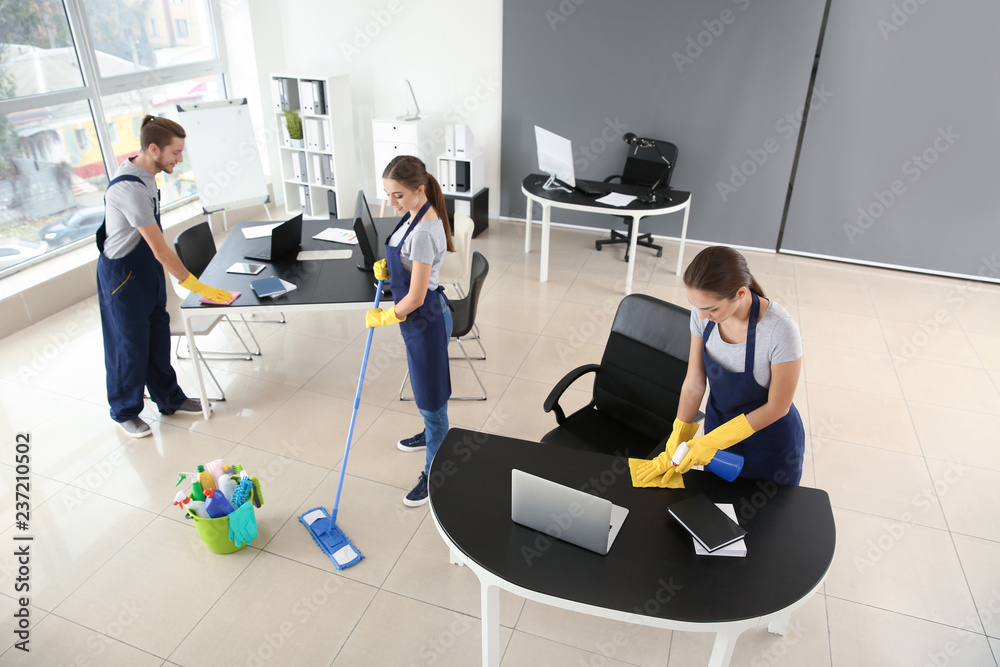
(320, 525)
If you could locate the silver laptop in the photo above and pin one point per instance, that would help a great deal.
(567, 514)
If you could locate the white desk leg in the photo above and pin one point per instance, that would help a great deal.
(631, 253)
(491, 625)
(193, 351)
(778, 625)
(543, 274)
(722, 652)
(684, 233)
(527, 229)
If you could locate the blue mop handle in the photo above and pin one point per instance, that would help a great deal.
(357, 404)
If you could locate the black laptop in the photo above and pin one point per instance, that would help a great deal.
(285, 238)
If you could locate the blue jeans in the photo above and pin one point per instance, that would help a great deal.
(436, 421)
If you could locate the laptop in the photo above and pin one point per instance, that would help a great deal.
(564, 513)
(285, 238)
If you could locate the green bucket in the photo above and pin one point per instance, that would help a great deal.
(215, 534)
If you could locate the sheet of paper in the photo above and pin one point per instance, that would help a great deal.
(337, 235)
(259, 231)
(288, 286)
(306, 255)
(616, 199)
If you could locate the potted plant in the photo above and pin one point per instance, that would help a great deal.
(294, 125)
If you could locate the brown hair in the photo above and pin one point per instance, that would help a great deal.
(159, 130)
(411, 172)
(720, 271)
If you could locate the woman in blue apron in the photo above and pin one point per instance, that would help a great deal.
(750, 351)
(413, 256)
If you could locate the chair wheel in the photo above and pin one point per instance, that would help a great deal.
(659, 253)
(598, 245)
(626, 258)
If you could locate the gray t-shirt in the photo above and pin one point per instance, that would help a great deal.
(778, 341)
(129, 205)
(427, 243)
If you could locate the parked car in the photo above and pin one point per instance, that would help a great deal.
(77, 225)
(15, 253)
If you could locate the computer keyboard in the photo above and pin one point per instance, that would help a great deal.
(585, 189)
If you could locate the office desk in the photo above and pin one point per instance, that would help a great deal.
(332, 284)
(574, 201)
(652, 575)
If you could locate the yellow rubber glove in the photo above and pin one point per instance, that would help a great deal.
(668, 480)
(210, 293)
(376, 317)
(381, 270)
(703, 449)
(682, 432)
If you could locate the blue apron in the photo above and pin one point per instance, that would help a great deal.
(423, 330)
(772, 453)
(131, 292)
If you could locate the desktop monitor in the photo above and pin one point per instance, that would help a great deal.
(364, 228)
(555, 158)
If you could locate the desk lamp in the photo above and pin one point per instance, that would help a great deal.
(638, 143)
(416, 114)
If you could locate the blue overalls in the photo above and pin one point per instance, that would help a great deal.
(131, 291)
(772, 453)
(426, 332)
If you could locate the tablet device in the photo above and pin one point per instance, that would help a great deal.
(246, 267)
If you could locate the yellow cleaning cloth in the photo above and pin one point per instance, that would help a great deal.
(670, 479)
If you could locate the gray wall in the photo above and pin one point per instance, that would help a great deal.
(592, 71)
(920, 80)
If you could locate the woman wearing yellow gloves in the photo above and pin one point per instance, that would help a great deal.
(413, 256)
(750, 351)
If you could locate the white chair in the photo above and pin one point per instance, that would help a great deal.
(201, 325)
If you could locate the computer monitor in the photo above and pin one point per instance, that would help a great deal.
(555, 158)
(364, 228)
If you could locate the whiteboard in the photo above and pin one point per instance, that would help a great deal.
(222, 147)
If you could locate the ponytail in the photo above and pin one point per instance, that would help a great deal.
(412, 173)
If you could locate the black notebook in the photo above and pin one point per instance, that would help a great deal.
(706, 522)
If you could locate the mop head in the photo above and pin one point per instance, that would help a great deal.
(330, 539)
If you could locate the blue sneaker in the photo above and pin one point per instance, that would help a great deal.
(413, 444)
(418, 496)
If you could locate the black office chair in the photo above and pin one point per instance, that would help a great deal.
(637, 385)
(643, 167)
(463, 320)
(195, 246)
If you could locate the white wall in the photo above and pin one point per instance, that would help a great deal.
(449, 50)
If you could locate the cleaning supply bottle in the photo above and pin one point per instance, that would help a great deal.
(206, 479)
(181, 476)
(216, 468)
(726, 465)
(197, 493)
(217, 506)
(198, 508)
(226, 484)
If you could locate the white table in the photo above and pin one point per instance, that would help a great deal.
(531, 187)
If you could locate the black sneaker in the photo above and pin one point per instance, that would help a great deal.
(136, 428)
(413, 444)
(418, 496)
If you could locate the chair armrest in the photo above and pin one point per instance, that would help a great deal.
(611, 178)
(552, 400)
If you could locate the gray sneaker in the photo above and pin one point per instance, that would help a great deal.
(190, 405)
(135, 428)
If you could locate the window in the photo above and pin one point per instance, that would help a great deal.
(67, 121)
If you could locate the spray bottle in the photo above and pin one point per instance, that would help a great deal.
(726, 465)
(196, 490)
(217, 506)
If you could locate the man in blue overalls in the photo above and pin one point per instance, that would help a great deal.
(131, 287)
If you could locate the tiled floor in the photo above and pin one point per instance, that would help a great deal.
(899, 394)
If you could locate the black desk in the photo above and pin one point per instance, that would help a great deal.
(332, 284)
(652, 575)
(575, 201)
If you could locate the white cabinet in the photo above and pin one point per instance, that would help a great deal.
(395, 137)
(460, 176)
(318, 172)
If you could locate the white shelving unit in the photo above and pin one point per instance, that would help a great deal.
(462, 177)
(318, 177)
(395, 137)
